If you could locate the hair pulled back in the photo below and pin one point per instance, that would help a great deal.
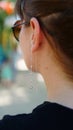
(56, 18)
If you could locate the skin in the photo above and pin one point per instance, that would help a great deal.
(34, 44)
(25, 43)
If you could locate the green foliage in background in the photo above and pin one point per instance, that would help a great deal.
(3, 15)
(5, 31)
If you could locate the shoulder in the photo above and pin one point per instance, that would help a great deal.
(24, 121)
(16, 122)
(43, 114)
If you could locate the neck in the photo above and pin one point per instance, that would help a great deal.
(60, 90)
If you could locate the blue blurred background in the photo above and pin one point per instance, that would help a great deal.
(20, 90)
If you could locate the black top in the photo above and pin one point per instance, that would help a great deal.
(47, 116)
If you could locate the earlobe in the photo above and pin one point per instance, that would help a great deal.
(34, 46)
(36, 34)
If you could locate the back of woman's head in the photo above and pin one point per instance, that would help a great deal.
(56, 19)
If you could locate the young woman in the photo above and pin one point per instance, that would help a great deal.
(45, 34)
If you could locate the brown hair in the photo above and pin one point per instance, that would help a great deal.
(56, 18)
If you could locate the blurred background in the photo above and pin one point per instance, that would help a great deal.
(20, 89)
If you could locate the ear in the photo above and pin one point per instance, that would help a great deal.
(36, 34)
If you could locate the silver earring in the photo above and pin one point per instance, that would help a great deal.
(31, 67)
(32, 75)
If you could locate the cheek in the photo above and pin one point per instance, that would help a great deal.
(27, 55)
(25, 47)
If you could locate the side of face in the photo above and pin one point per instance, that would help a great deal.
(30, 41)
(25, 44)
